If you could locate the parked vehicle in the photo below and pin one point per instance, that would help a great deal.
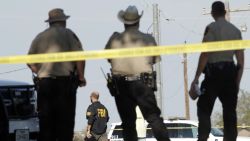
(179, 130)
(18, 100)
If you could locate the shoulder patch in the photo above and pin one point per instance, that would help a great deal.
(88, 113)
(115, 35)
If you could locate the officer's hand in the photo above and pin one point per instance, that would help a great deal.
(82, 81)
(88, 134)
(195, 81)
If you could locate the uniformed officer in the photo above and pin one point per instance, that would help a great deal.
(58, 82)
(222, 76)
(129, 75)
(97, 115)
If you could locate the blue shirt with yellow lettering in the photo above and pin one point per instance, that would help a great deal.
(97, 116)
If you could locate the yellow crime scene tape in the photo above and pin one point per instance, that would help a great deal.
(127, 52)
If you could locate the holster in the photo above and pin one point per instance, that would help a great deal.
(35, 81)
(150, 80)
(112, 85)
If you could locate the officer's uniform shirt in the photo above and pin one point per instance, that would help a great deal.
(131, 37)
(55, 39)
(97, 116)
(221, 30)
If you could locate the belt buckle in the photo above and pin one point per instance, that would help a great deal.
(132, 78)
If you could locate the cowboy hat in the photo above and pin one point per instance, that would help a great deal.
(56, 15)
(130, 15)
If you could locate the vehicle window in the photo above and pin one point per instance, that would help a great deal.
(177, 130)
(117, 133)
(182, 130)
(18, 101)
(217, 132)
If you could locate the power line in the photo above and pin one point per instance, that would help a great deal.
(165, 18)
(12, 71)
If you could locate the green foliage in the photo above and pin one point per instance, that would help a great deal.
(243, 110)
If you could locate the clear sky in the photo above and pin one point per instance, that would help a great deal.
(94, 21)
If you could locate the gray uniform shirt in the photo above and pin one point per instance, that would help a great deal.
(221, 30)
(131, 37)
(55, 39)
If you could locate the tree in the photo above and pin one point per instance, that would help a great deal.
(243, 110)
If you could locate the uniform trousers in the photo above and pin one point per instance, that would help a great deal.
(219, 82)
(136, 93)
(56, 108)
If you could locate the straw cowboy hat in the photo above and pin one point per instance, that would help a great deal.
(56, 15)
(130, 15)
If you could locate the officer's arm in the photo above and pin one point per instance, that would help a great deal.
(156, 59)
(108, 45)
(33, 50)
(240, 65)
(90, 117)
(208, 36)
(88, 128)
(80, 65)
(201, 66)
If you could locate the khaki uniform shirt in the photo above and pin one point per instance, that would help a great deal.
(131, 37)
(221, 30)
(55, 39)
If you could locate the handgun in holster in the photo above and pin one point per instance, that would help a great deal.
(112, 85)
(150, 80)
(35, 81)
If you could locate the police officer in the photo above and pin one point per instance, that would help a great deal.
(97, 115)
(58, 82)
(222, 76)
(128, 75)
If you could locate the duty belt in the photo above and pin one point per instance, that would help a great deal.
(56, 77)
(127, 77)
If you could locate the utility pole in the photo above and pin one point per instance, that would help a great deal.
(227, 7)
(156, 34)
(141, 129)
(186, 86)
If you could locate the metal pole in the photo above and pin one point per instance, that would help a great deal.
(186, 86)
(156, 34)
(227, 7)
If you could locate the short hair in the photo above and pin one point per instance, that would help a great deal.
(95, 94)
(218, 7)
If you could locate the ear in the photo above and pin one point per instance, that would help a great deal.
(225, 12)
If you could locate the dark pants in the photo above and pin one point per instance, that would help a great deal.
(4, 122)
(131, 94)
(56, 107)
(219, 82)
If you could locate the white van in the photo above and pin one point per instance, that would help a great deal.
(178, 130)
(18, 100)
